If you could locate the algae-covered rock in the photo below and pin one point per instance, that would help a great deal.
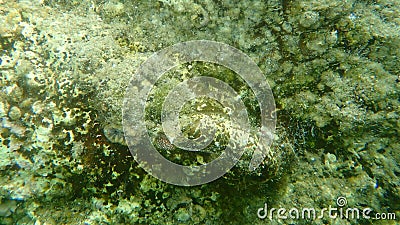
(333, 67)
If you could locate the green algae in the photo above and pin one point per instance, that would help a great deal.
(333, 67)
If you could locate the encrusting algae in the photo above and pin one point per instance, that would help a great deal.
(333, 67)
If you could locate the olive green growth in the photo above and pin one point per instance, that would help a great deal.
(333, 67)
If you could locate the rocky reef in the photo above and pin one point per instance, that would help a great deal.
(333, 67)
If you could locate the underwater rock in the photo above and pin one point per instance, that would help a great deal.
(332, 64)
(7, 207)
(114, 134)
(14, 113)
